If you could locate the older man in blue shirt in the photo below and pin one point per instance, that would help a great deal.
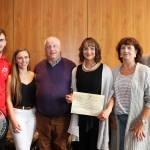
(53, 80)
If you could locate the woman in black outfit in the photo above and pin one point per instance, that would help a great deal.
(96, 78)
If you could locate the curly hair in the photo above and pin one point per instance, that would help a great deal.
(90, 42)
(133, 42)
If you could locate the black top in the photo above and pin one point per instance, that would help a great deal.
(28, 94)
(88, 82)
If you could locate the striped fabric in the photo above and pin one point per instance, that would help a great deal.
(122, 88)
(140, 97)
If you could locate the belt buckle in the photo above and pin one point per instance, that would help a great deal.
(28, 108)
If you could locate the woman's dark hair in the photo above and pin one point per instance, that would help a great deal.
(133, 42)
(2, 32)
(90, 42)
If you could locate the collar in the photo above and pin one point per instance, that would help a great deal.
(3, 57)
(56, 62)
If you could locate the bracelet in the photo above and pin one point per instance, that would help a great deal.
(143, 121)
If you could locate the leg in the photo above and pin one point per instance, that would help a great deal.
(31, 126)
(75, 145)
(92, 135)
(82, 138)
(3, 142)
(122, 123)
(3, 137)
(20, 139)
(60, 134)
(88, 138)
(44, 130)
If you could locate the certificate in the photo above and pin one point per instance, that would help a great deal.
(87, 104)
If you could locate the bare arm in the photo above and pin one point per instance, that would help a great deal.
(105, 113)
(15, 124)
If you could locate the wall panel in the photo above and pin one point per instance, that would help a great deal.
(108, 32)
(34, 22)
(67, 20)
(79, 28)
(6, 23)
(101, 27)
(27, 27)
(29, 22)
(111, 20)
(139, 21)
(146, 49)
(122, 24)
(95, 21)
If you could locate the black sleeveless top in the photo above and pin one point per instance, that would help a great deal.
(28, 94)
(88, 82)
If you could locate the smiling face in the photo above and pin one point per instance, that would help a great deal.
(22, 60)
(2, 42)
(127, 48)
(89, 51)
(53, 49)
(128, 52)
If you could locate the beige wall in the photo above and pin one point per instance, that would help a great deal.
(29, 22)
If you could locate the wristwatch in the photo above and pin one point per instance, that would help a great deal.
(143, 121)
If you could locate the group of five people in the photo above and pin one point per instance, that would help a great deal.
(42, 99)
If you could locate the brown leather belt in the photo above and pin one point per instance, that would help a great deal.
(23, 107)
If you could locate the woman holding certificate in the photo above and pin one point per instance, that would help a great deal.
(132, 98)
(91, 76)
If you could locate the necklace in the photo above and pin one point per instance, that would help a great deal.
(91, 69)
(133, 70)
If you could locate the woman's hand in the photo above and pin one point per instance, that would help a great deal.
(139, 133)
(112, 121)
(16, 126)
(104, 115)
(69, 98)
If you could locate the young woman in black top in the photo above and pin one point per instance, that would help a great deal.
(21, 100)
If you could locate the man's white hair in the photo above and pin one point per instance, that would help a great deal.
(52, 38)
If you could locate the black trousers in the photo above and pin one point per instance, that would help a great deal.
(3, 137)
(87, 140)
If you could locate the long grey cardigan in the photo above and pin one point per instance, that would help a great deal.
(103, 135)
(140, 97)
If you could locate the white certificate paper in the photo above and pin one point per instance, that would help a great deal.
(87, 104)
